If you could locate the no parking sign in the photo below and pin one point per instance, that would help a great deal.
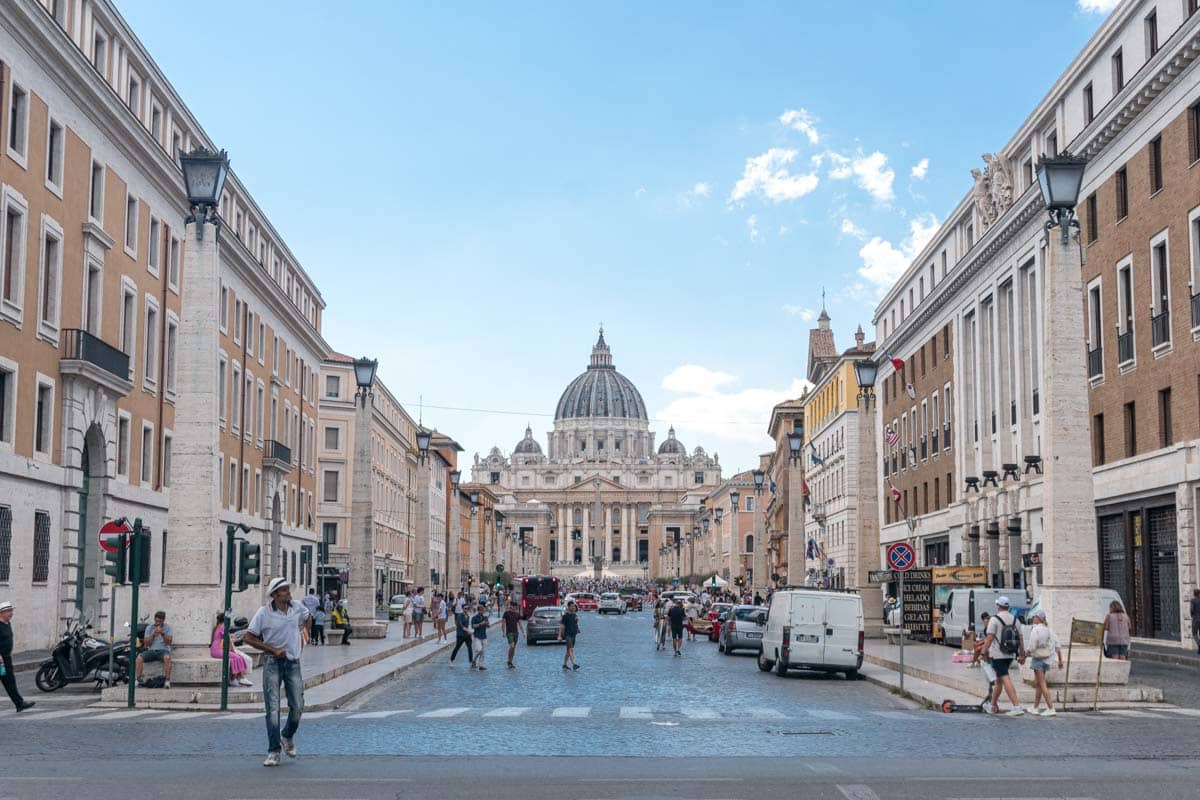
(901, 556)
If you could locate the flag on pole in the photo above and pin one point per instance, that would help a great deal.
(816, 459)
(911, 391)
(895, 492)
(804, 492)
(889, 433)
(897, 363)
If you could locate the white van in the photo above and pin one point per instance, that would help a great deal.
(962, 608)
(809, 629)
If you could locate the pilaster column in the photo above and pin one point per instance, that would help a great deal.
(424, 522)
(796, 516)
(587, 532)
(865, 544)
(362, 515)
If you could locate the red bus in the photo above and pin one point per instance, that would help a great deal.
(535, 591)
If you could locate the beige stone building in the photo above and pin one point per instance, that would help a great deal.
(92, 344)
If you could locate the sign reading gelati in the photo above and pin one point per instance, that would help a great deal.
(918, 603)
(963, 576)
(1084, 632)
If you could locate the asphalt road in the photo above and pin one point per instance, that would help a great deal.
(632, 723)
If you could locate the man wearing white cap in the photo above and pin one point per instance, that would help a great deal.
(280, 629)
(1002, 644)
(7, 677)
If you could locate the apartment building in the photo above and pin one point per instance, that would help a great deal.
(786, 503)
(92, 255)
(1128, 103)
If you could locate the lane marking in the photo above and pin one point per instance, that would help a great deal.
(34, 716)
(765, 713)
(574, 712)
(377, 714)
(828, 713)
(1129, 712)
(824, 769)
(636, 712)
(442, 713)
(320, 714)
(138, 712)
(508, 711)
(857, 791)
(191, 716)
(1188, 712)
(700, 713)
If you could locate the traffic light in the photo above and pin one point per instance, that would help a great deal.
(116, 554)
(248, 563)
(139, 552)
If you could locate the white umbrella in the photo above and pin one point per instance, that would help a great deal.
(717, 581)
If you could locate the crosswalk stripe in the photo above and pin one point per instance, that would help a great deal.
(510, 711)
(636, 712)
(574, 712)
(70, 712)
(445, 712)
(1187, 712)
(764, 713)
(827, 713)
(125, 714)
(378, 714)
(700, 713)
(320, 714)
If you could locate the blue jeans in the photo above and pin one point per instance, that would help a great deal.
(278, 671)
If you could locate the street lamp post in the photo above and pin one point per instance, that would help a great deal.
(421, 544)
(796, 511)
(759, 571)
(455, 527)
(362, 504)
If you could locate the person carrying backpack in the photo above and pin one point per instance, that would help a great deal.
(1003, 644)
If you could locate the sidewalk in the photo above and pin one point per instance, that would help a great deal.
(1165, 654)
(931, 676)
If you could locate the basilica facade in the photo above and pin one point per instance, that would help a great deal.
(602, 498)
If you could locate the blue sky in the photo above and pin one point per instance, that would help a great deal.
(475, 187)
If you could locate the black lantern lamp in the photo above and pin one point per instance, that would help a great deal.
(487, 514)
(704, 526)
(204, 174)
(720, 514)
(1060, 178)
(474, 503)
(364, 376)
(796, 442)
(424, 437)
(865, 371)
(734, 497)
(759, 475)
(455, 477)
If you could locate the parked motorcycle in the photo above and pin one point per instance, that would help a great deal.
(79, 657)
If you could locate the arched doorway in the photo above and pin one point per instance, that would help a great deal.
(578, 555)
(93, 466)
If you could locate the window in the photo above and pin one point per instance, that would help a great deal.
(49, 286)
(166, 460)
(135, 95)
(231, 497)
(100, 53)
(41, 546)
(123, 434)
(128, 319)
(1052, 143)
(1160, 276)
(1097, 440)
(96, 193)
(93, 294)
(235, 410)
(1151, 25)
(147, 454)
(698, 478)
(43, 423)
(333, 385)
(1125, 349)
(224, 311)
(1089, 111)
(221, 388)
(1093, 226)
(1121, 183)
(1193, 132)
(8, 388)
(18, 123)
(5, 543)
(1166, 434)
(238, 311)
(152, 257)
(173, 264)
(150, 362)
(331, 486)
(1130, 430)
(13, 277)
(1156, 174)
(171, 344)
(131, 225)
(1118, 71)
(332, 438)
(749, 502)
(1194, 237)
(1095, 329)
(54, 155)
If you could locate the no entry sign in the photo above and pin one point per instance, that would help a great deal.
(112, 528)
(901, 556)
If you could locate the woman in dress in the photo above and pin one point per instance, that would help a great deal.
(239, 665)
(407, 612)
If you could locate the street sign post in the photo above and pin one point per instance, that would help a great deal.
(901, 557)
(114, 527)
(879, 576)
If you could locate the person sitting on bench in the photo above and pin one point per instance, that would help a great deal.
(156, 646)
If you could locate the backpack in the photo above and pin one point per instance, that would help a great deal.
(1010, 639)
(157, 682)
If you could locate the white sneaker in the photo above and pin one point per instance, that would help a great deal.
(289, 746)
(1049, 712)
(272, 759)
(166, 684)
(245, 682)
(1016, 711)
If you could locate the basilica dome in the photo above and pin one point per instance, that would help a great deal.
(601, 391)
(672, 446)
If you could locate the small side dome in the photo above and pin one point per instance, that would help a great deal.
(528, 446)
(672, 446)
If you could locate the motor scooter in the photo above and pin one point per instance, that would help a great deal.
(80, 657)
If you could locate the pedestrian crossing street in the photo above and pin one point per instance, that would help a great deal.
(662, 716)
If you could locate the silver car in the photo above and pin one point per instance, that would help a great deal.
(740, 629)
(542, 625)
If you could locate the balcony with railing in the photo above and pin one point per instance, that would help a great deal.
(1096, 362)
(89, 356)
(277, 455)
(1125, 346)
(946, 434)
(1160, 328)
(1196, 310)
(924, 448)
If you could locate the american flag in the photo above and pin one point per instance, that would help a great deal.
(890, 434)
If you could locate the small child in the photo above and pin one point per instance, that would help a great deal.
(318, 626)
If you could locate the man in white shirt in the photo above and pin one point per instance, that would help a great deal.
(418, 602)
(280, 629)
(1000, 657)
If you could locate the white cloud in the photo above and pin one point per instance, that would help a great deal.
(884, 263)
(712, 406)
(870, 172)
(641, 190)
(693, 195)
(919, 169)
(850, 229)
(806, 314)
(752, 226)
(1097, 6)
(701, 189)
(784, 230)
(801, 120)
(769, 176)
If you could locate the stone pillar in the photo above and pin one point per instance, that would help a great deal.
(587, 533)
(626, 535)
(865, 544)
(796, 517)
(193, 517)
(1070, 556)
(761, 576)
(421, 540)
(453, 557)
(362, 527)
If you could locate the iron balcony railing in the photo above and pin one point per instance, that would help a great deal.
(946, 434)
(1125, 346)
(277, 451)
(1160, 328)
(80, 345)
(1196, 310)
(1095, 362)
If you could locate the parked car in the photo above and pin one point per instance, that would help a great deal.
(809, 629)
(610, 603)
(715, 612)
(741, 629)
(584, 601)
(633, 598)
(396, 606)
(542, 625)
